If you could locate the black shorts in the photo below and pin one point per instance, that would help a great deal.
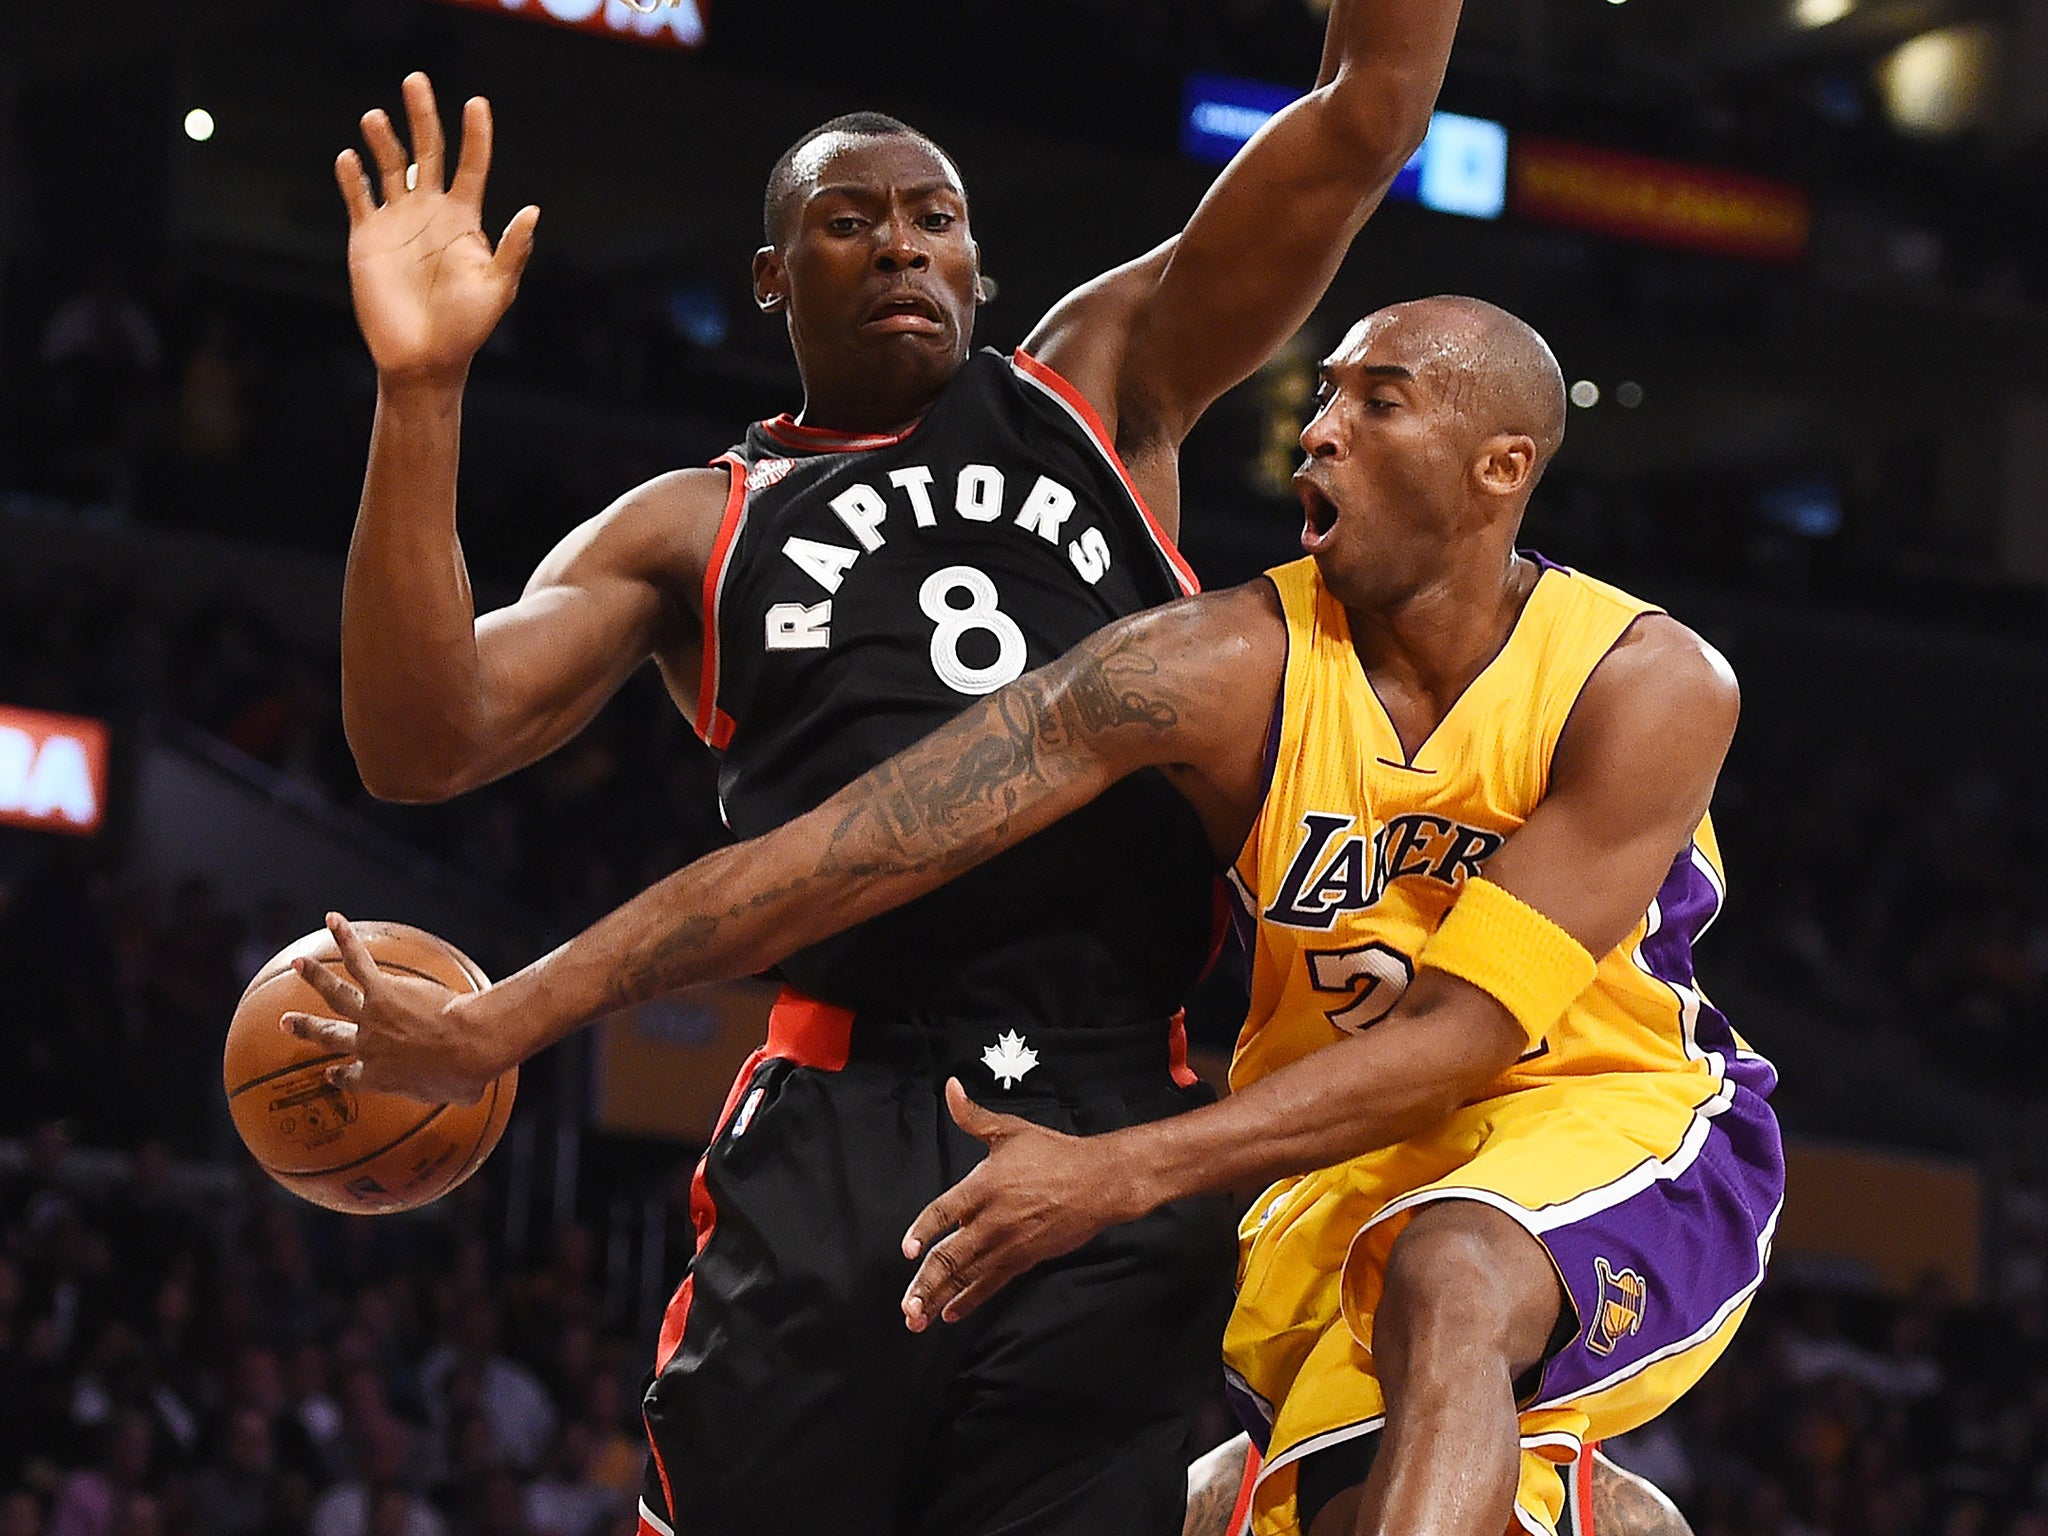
(789, 1397)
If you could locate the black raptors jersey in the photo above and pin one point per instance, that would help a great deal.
(862, 591)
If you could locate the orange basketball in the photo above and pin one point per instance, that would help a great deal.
(342, 1147)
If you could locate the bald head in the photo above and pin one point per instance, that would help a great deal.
(1493, 367)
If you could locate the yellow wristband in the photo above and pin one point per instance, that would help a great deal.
(1513, 953)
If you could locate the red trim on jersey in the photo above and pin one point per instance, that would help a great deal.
(713, 723)
(810, 1033)
(795, 434)
(1177, 1051)
(1582, 1477)
(1081, 407)
(643, 1528)
(1240, 1512)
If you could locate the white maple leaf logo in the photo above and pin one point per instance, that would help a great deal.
(1009, 1058)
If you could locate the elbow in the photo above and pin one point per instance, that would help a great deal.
(1381, 123)
(405, 774)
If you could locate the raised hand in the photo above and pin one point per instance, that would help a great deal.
(428, 287)
(406, 1034)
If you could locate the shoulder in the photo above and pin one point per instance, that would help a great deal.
(1657, 654)
(1661, 692)
(662, 530)
(1087, 334)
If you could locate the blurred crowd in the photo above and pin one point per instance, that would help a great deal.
(203, 1361)
(1847, 1414)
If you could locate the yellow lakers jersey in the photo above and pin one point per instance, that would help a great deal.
(1360, 849)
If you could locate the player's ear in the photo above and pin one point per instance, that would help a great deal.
(771, 280)
(983, 289)
(1507, 463)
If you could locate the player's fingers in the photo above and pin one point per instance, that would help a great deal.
(985, 1284)
(335, 1034)
(955, 1207)
(335, 989)
(949, 1268)
(516, 244)
(423, 121)
(355, 186)
(346, 1074)
(983, 1124)
(354, 953)
(386, 151)
(473, 163)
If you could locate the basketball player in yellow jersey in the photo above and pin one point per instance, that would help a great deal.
(1527, 1174)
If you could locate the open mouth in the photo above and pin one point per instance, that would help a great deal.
(1319, 515)
(905, 311)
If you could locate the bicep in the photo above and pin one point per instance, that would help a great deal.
(1630, 782)
(602, 602)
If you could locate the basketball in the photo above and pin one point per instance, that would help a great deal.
(341, 1147)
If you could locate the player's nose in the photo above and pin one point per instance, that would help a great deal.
(1323, 438)
(899, 246)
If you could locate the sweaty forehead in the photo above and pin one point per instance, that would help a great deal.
(1433, 344)
(862, 159)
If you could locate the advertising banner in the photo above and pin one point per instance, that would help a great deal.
(666, 24)
(1658, 202)
(53, 771)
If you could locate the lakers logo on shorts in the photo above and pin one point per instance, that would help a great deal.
(1623, 1295)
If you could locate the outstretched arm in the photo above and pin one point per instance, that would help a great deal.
(435, 700)
(1630, 782)
(1187, 688)
(1153, 343)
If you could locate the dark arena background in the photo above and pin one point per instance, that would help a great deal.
(1793, 255)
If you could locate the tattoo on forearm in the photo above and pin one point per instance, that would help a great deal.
(934, 810)
(1625, 1504)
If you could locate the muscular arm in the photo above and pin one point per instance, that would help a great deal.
(433, 700)
(1187, 688)
(436, 700)
(1630, 781)
(1153, 343)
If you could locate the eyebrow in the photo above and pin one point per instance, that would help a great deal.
(859, 189)
(1325, 372)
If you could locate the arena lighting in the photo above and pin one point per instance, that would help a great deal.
(53, 771)
(1585, 394)
(1461, 167)
(1820, 13)
(199, 125)
(1939, 82)
(1628, 394)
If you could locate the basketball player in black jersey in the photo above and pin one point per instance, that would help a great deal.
(932, 524)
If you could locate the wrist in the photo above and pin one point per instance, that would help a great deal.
(427, 392)
(479, 1020)
(1143, 1169)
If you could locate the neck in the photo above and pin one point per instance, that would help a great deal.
(870, 406)
(1439, 635)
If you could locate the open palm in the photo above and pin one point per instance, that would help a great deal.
(428, 287)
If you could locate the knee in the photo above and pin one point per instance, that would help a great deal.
(1462, 1277)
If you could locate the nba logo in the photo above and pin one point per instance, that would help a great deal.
(1619, 1312)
